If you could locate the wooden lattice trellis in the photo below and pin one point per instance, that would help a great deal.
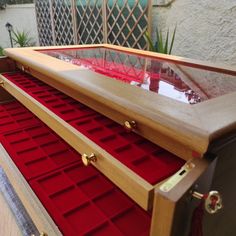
(127, 22)
(44, 22)
(121, 22)
(90, 22)
(62, 21)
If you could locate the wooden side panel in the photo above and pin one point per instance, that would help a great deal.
(172, 210)
(162, 218)
(224, 222)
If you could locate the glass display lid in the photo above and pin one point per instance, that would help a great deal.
(181, 83)
(180, 104)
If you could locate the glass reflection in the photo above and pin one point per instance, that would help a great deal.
(174, 81)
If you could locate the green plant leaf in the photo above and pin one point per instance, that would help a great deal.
(148, 38)
(172, 41)
(161, 43)
(158, 41)
(22, 39)
(166, 43)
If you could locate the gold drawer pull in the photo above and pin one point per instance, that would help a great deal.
(212, 201)
(43, 234)
(88, 159)
(130, 125)
(25, 69)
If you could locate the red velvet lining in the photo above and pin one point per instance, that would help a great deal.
(38, 150)
(143, 157)
(89, 204)
(80, 200)
(13, 115)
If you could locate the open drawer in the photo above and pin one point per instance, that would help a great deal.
(61, 195)
(74, 201)
(134, 164)
(64, 197)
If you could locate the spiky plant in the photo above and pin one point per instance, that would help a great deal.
(22, 39)
(162, 44)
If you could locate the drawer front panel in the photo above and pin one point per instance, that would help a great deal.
(140, 155)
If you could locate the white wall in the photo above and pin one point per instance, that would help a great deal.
(206, 29)
(22, 17)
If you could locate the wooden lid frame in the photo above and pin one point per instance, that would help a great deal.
(167, 122)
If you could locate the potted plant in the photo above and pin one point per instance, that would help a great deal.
(22, 39)
(1, 52)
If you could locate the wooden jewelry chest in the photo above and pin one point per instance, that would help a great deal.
(106, 140)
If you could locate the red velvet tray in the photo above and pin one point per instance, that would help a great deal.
(38, 150)
(62, 105)
(80, 200)
(13, 115)
(86, 203)
(143, 157)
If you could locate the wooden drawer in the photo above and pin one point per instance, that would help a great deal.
(79, 200)
(68, 202)
(34, 207)
(125, 158)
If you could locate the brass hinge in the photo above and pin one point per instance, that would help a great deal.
(176, 178)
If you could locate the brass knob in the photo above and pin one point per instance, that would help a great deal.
(88, 159)
(2, 83)
(43, 234)
(130, 125)
(212, 201)
(25, 69)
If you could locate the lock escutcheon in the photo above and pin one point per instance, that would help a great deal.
(212, 201)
